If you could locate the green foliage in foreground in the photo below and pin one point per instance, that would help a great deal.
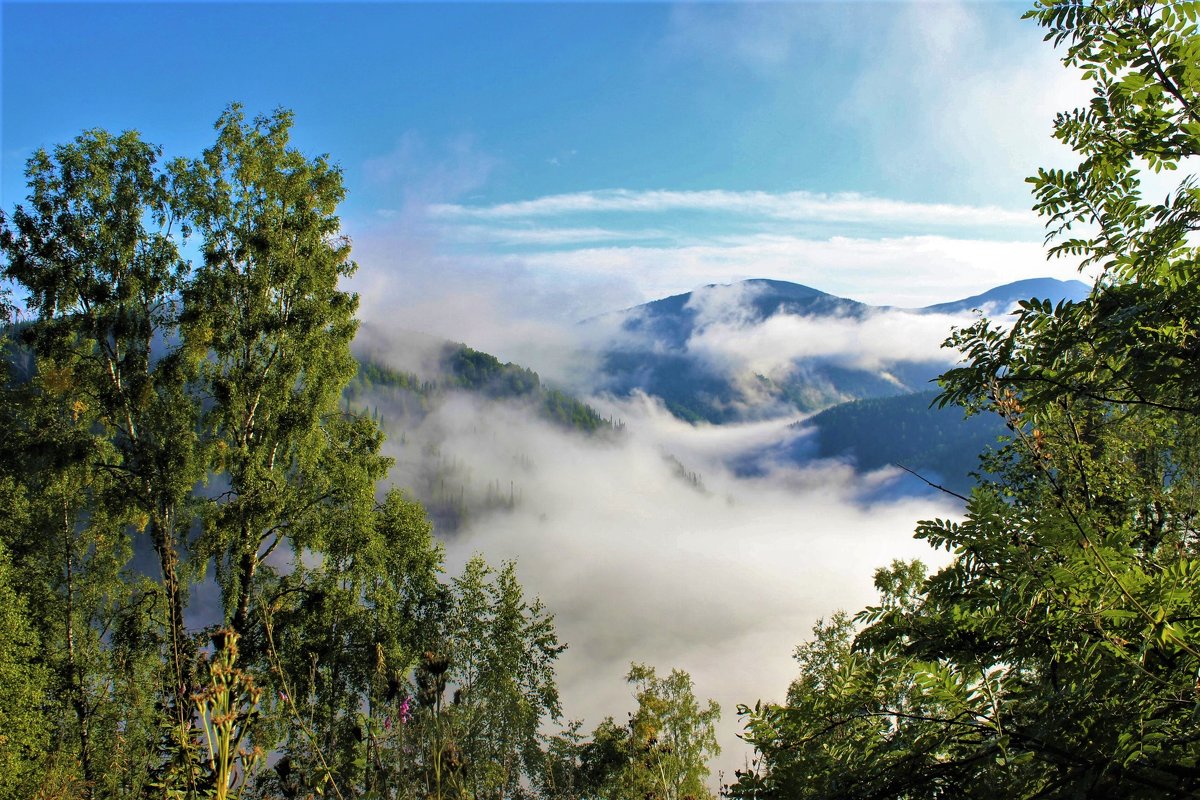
(167, 422)
(661, 752)
(24, 728)
(1057, 655)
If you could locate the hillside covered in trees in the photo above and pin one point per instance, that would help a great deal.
(910, 431)
(670, 348)
(461, 367)
(448, 485)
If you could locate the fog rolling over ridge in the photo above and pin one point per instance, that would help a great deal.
(653, 543)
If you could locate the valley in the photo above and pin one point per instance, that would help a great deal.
(656, 534)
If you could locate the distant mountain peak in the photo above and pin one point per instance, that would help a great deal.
(1009, 293)
(752, 348)
(770, 291)
(783, 288)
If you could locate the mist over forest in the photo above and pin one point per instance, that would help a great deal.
(648, 544)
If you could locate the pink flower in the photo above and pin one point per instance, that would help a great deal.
(405, 709)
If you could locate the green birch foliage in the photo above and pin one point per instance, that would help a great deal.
(662, 753)
(345, 634)
(473, 714)
(140, 377)
(502, 649)
(96, 251)
(265, 308)
(102, 436)
(194, 411)
(672, 736)
(24, 724)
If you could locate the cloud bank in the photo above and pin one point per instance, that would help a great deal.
(871, 343)
(637, 564)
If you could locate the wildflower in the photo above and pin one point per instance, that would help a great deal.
(405, 709)
(283, 696)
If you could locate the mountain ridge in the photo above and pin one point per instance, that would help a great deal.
(664, 349)
(1041, 288)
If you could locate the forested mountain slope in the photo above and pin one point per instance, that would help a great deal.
(461, 368)
(442, 469)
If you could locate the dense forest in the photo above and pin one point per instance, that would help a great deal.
(205, 593)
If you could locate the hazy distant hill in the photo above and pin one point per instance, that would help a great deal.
(654, 356)
(657, 351)
(907, 430)
(445, 476)
(671, 321)
(872, 414)
(1004, 298)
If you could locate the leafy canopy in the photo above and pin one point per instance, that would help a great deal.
(1056, 655)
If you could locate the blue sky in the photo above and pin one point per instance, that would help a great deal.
(566, 158)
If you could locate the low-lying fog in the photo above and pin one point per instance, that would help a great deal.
(721, 577)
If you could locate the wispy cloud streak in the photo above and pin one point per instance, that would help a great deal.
(849, 207)
(546, 236)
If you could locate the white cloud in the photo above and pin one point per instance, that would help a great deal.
(873, 249)
(503, 302)
(845, 207)
(543, 236)
(637, 565)
(947, 93)
(496, 304)
(416, 173)
(953, 96)
(907, 271)
(871, 343)
(724, 304)
(764, 38)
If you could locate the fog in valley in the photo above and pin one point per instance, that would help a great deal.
(657, 543)
(649, 546)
